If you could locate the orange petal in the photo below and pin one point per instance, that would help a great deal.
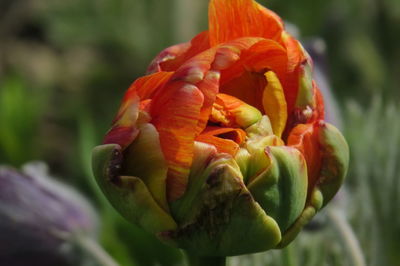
(226, 140)
(195, 71)
(176, 126)
(232, 19)
(304, 137)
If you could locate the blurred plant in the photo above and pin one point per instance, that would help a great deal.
(374, 136)
(20, 111)
(43, 222)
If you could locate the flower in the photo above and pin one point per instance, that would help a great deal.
(40, 219)
(221, 149)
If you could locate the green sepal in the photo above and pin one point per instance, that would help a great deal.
(225, 220)
(144, 159)
(313, 206)
(128, 194)
(281, 189)
(335, 161)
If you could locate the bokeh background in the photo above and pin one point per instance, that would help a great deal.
(64, 66)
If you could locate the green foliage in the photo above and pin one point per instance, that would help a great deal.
(20, 113)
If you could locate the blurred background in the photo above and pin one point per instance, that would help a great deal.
(64, 66)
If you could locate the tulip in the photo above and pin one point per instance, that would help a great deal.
(222, 148)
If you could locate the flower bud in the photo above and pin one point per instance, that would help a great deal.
(38, 216)
(222, 148)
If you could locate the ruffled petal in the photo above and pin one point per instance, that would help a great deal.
(232, 19)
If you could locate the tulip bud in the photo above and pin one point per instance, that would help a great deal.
(222, 149)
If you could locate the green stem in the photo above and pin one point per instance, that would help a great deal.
(287, 256)
(194, 260)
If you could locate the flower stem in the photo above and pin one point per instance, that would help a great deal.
(287, 256)
(194, 260)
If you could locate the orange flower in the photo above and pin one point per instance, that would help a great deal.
(242, 90)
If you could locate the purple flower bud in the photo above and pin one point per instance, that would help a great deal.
(37, 216)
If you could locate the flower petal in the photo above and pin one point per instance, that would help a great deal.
(274, 103)
(232, 19)
(176, 125)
